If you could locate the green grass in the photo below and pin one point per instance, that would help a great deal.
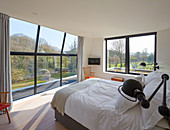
(26, 83)
(137, 64)
(30, 82)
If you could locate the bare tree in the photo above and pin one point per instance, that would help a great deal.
(118, 47)
(144, 54)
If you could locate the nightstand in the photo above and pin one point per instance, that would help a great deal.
(117, 79)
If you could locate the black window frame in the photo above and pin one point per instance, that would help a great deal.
(35, 54)
(127, 53)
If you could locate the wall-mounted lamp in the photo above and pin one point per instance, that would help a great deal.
(134, 89)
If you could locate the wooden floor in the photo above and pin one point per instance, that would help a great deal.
(35, 113)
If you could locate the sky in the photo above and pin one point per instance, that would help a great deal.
(53, 37)
(137, 44)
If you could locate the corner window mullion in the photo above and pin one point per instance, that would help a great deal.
(61, 59)
(64, 38)
(35, 60)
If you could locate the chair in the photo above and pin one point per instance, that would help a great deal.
(87, 73)
(4, 104)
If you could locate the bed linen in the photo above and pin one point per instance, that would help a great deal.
(61, 96)
(94, 107)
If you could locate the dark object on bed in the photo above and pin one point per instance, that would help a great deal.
(93, 61)
(68, 122)
(133, 89)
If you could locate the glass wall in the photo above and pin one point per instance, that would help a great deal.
(22, 75)
(22, 36)
(69, 73)
(50, 40)
(36, 54)
(71, 43)
(48, 72)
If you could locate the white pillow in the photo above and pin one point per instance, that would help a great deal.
(122, 104)
(151, 116)
(141, 79)
(151, 76)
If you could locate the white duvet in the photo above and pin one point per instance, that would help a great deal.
(94, 108)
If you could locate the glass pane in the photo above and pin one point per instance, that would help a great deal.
(69, 69)
(116, 55)
(50, 40)
(48, 73)
(22, 36)
(142, 50)
(71, 44)
(22, 74)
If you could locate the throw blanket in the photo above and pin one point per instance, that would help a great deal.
(61, 96)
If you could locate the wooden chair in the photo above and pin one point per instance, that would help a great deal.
(87, 73)
(4, 104)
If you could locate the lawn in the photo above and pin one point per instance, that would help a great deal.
(30, 82)
(26, 83)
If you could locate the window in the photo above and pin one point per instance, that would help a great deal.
(48, 72)
(142, 49)
(69, 65)
(22, 75)
(125, 54)
(116, 55)
(22, 36)
(41, 58)
(71, 44)
(50, 40)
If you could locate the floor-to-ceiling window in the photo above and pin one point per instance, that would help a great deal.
(41, 58)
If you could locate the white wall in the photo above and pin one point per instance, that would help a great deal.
(163, 47)
(96, 48)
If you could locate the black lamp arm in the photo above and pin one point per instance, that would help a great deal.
(163, 110)
(156, 90)
(165, 77)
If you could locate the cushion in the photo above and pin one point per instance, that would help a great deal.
(141, 79)
(4, 105)
(91, 77)
(151, 76)
(151, 116)
(122, 104)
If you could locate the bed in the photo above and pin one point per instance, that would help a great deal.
(95, 106)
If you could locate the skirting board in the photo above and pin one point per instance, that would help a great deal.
(68, 122)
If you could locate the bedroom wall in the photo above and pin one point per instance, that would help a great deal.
(96, 48)
(163, 47)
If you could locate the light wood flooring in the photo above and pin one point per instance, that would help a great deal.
(32, 114)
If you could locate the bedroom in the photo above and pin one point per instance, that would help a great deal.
(96, 21)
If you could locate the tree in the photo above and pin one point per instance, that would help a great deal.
(144, 54)
(118, 47)
(73, 47)
(150, 58)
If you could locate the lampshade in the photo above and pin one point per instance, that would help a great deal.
(133, 88)
(129, 86)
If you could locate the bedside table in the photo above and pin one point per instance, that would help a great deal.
(117, 79)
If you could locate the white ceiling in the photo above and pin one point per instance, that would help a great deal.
(93, 18)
